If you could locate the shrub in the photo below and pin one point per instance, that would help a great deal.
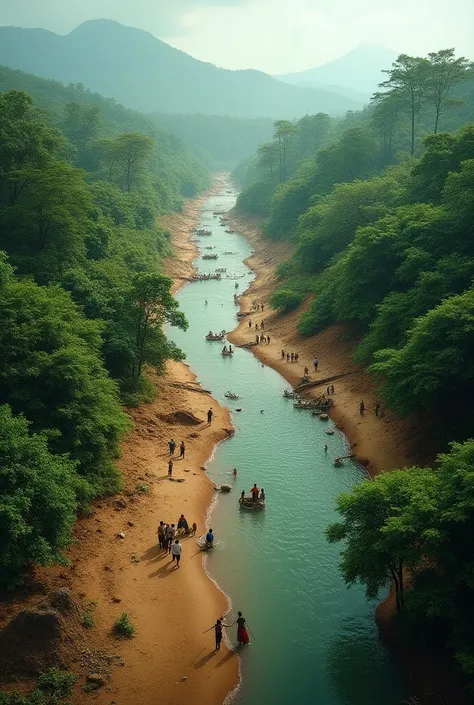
(285, 300)
(123, 626)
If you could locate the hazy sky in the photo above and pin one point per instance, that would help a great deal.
(276, 36)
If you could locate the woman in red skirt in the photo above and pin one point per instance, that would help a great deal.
(242, 635)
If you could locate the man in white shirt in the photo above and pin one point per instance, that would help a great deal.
(176, 552)
(170, 534)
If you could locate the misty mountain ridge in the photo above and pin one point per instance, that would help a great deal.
(146, 74)
(356, 74)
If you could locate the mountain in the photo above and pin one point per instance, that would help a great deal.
(359, 72)
(148, 75)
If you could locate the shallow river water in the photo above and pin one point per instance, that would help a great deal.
(315, 640)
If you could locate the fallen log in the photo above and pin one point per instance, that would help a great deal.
(310, 385)
(189, 387)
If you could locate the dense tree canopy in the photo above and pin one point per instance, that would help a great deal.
(82, 308)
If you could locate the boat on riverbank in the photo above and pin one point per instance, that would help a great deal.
(210, 256)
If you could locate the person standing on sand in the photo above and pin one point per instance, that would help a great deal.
(176, 549)
(287, 357)
(172, 446)
(161, 535)
(210, 415)
(332, 389)
(165, 536)
(283, 355)
(250, 323)
(182, 449)
(268, 340)
(292, 357)
(362, 407)
(170, 534)
(315, 363)
(262, 325)
(257, 339)
(306, 372)
(170, 468)
(377, 408)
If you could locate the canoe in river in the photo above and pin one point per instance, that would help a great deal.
(248, 503)
(215, 336)
(224, 353)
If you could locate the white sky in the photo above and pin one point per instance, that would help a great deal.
(276, 36)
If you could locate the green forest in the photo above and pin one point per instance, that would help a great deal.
(379, 206)
(83, 299)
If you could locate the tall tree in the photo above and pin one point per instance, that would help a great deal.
(268, 157)
(284, 132)
(127, 156)
(408, 80)
(445, 72)
(386, 117)
(153, 306)
(387, 528)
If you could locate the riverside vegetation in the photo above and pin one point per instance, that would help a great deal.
(82, 303)
(379, 207)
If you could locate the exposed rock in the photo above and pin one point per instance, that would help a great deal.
(38, 637)
(186, 418)
(96, 680)
(120, 503)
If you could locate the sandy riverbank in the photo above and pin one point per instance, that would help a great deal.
(169, 661)
(380, 444)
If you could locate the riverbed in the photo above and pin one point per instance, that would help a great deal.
(313, 639)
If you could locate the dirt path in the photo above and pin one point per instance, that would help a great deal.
(380, 444)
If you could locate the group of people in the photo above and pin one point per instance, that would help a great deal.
(242, 634)
(172, 448)
(262, 324)
(262, 339)
(290, 357)
(256, 306)
(224, 349)
(362, 408)
(256, 494)
(168, 536)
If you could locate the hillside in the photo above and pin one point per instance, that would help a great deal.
(148, 75)
(356, 74)
(175, 165)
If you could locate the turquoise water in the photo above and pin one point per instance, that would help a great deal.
(315, 641)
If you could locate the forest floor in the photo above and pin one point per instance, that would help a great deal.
(169, 660)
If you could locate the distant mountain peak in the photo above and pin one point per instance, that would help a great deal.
(144, 73)
(359, 70)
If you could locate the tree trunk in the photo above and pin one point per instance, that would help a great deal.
(438, 110)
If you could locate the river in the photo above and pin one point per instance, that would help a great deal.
(314, 640)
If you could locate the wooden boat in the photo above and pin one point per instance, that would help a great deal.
(289, 394)
(248, 504)
(201, 232)
(330, 432)
(226, 488)
(324, 417)
(210, 256)
(231, 395)
(215, 336)
(224, 353)
(203, 545)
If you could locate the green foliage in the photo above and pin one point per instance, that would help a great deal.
(420, 521)
(81, 312)
(285, 300)
(37, 498)
(123, 627)
(53, 688)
